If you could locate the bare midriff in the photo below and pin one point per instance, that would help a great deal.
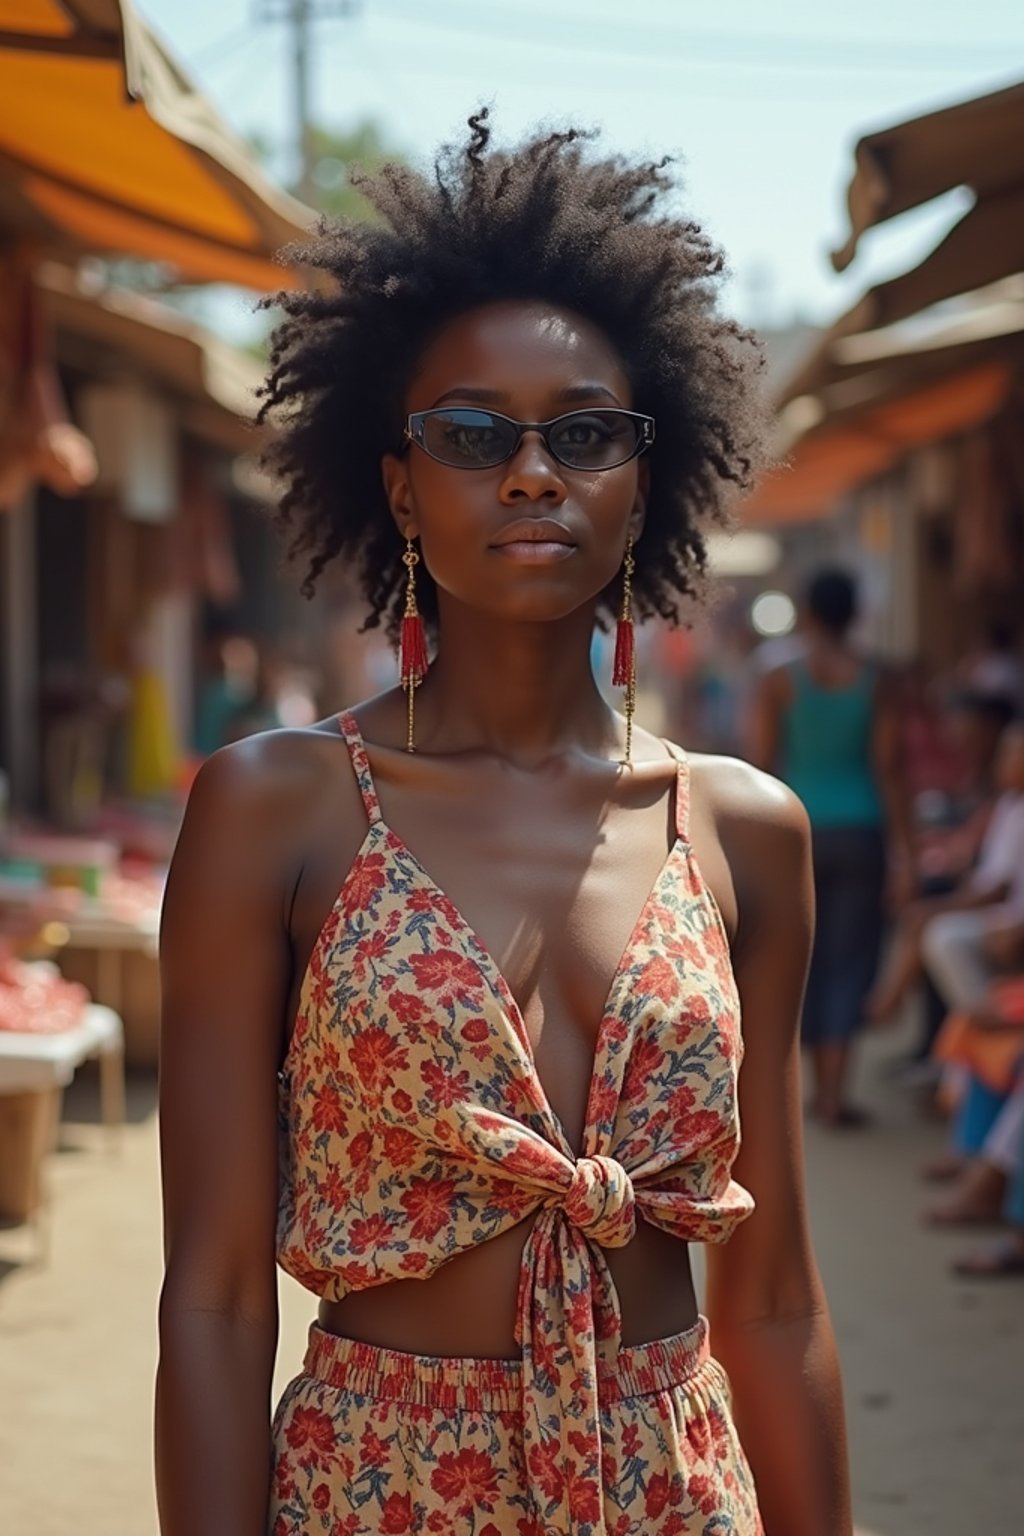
(468, 1306)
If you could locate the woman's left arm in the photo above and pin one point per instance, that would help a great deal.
(770, 1325)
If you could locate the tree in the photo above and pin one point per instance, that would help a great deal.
(339, 153)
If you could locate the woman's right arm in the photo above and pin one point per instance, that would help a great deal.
(225, 964)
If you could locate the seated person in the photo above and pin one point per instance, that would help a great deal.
(947, 934)
(984, 1053)
(954, 803)
(1006, 1257)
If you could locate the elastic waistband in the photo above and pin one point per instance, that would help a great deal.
(454, 1381)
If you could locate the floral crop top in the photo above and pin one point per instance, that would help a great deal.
(414, 1124)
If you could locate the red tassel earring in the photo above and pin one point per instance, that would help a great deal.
(412, 650)
(624, 666)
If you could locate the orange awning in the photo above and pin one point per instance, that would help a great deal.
(829, 463)
(115, 150)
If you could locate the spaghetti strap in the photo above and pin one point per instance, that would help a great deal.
(682, 790)
(349, 728)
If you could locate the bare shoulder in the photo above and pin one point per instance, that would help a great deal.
(744, 801)
(270, 793)
(268, 767)
(763, 832)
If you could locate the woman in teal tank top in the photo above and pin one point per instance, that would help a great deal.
(827, 748)
(827, 725)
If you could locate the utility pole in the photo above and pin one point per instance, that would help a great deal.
(300, 15)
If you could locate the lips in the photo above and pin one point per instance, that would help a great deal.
(534, 530)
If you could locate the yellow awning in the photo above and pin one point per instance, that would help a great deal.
(115, 150)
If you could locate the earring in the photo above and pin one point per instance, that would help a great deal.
(412, 650)
(624, 667)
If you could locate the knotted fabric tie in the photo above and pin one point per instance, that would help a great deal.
(601, 1203)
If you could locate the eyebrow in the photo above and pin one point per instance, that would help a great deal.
(499, 397)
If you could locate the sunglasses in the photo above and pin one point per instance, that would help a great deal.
(469, 438)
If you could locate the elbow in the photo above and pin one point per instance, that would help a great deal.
(187, 1301)
(786, 1295)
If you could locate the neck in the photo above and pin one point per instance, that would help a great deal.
(523, 691)
(827, 643)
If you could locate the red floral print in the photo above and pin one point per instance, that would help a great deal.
(328, 1113)
(396, 1514)
(464, 1478)
(446, 1088)
(367, 1231)
(377, 1056)
(359, 1148)
(401, 1147)
(660, 979)
(415, 1126)
(366, 878)
(657, 1495)
(308, 1427)
(408, 1008)
(428, 1202)
(447, 972)
(544, 1461)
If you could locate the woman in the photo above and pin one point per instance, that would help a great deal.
(828, 723)
(499, 1130)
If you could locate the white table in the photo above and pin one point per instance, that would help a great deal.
(33, 1061)
(35, 1068)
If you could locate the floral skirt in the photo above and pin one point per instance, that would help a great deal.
(374, 1442)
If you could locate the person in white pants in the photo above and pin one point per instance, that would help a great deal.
(980, 1186)
(955, 955)
(962, 959)
(948, 935)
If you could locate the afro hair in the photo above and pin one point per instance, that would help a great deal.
(542, 221)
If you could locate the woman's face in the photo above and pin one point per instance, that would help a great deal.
(531, 361)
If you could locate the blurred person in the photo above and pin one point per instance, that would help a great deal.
(995, 667)
(486, 1145)
(949, 844)
(946, 936)
(828, 723)
(259, 709)
(933, 769)
(1005, 1258)
(988, 1130)
(951, 816)
(228, 679)
(982, 1053)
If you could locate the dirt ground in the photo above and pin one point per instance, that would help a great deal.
(932, 1366)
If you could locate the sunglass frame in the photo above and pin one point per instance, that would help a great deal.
(415, 423)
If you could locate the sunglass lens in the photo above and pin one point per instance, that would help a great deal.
(595, 439)
(468, 439)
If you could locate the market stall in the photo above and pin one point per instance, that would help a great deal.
(120, 428)
(48, 1028)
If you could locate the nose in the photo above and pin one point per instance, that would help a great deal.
(531, 474)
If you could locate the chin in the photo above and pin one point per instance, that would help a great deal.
(544, 604)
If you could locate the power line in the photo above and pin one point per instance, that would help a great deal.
(229, 43)
(674, 45)
(299, 15)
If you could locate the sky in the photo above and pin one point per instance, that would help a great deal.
(762, 102)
